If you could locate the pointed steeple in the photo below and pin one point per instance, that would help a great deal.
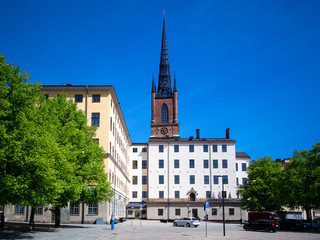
(153, 85)
(164, 85)
(175, 83)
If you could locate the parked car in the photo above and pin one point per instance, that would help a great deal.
(293, 224)
(253, 216)
(266, 225)
(188, 222)
(314, 225)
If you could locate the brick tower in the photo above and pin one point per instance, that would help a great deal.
(164, 101)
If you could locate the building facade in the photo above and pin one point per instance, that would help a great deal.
(172, 177)
(102, 108)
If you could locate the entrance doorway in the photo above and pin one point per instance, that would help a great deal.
(195, 212)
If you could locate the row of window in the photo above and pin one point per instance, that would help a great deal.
(135, 194)
(191, 148)
(135, 164)
(79, 97)
(192, 179)
(191, 164)
(136, 149)
(214, 212)
(74, 209)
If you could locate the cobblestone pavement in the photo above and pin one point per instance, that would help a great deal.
(147, 230)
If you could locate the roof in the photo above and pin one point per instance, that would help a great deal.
(242, 155)
(195, 140)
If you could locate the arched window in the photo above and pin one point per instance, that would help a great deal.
(164, 113)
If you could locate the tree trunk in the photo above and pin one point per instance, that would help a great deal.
(31, 222)
(308, 212)
(57, 215)
(2, 217)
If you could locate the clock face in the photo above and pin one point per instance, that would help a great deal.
(164, 131)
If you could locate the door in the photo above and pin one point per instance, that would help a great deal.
(195, 213)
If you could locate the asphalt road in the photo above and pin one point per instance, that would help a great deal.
(147, 230)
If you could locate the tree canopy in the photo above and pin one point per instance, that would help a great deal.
(47, 154)
(262, 190)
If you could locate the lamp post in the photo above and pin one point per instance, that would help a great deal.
(224, 222)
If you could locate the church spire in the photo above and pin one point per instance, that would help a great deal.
(153, 89)
(164, 84)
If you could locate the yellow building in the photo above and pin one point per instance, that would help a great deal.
(102, 108)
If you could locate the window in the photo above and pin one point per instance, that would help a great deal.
(38, 210)
(134, 164)
(96, 140)
(176, 163)
(176, 148)
(93, 209)
(176, 179)
(74, 208)
(134, 149)
(144, 180)
(176, 194)
(134, 180)
(134, 194)
(237, 181)
(205, 163)
(214, 211)
(178, 211)
(96, 98)
(144, 149)
(161, 179)
(215, 179)
(18, 209)
(224, 163)
(215, 163)
(208, 194)
(164, 113)
(78, 98)
(244, 181)
(191, 163)
(191, 148)
(160, 148)
(236, 166)
(244, 167)
(206, 179)
(231, 211)
(144, 164)
(161, 194)
(161, 163)
(46, 96)
(192, 179)
(160, 212)
(225, 179)
(95, 119)
(224, 148)
(214, 148)
(205, 148)
(144, 194)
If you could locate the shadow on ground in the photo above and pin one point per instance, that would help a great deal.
(14, 230)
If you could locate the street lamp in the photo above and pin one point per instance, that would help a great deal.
(223, 196)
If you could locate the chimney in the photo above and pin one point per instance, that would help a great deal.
(227, 133)
(198, 133)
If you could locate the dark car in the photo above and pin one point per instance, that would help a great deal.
(314, 225)
(293, 224)
(265, 225)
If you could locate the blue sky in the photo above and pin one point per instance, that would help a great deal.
(251, 66)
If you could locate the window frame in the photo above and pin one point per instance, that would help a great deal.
(96, 98)
(93, 209)
(78, 98)
(95, 119)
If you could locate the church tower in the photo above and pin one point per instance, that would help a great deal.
(164, 101)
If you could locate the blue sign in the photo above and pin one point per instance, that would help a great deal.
(132, 205)
(141, 206)
(207, 206)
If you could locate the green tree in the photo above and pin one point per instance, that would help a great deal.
(262, 191)
(79, 161)
(302, 180)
